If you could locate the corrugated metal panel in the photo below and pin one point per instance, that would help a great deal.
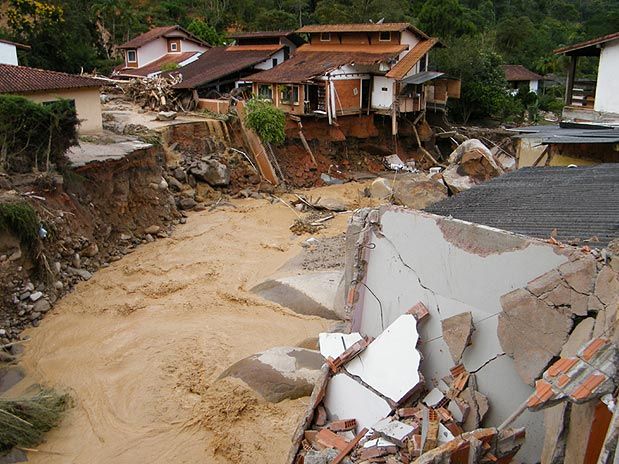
(422, 77)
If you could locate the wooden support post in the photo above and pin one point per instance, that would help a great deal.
(571, 76)
(541, 156)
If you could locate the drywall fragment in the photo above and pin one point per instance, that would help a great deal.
(434, 399)
(458, 409)
(390, 364)
(444, 434)
(346, 398)
(531, 332)
(393, 430)
(334, 344)
(457, 331)
(478, 407)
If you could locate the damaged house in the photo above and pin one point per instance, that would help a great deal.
(221, 69)
(157, 50)
(358, 69)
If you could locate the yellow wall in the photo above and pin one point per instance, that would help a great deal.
(529, 149)
(87, 105)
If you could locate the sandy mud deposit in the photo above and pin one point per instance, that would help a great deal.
(141, 345)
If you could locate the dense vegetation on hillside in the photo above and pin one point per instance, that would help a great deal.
(75, 35)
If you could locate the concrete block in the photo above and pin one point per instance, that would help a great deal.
(393, 430)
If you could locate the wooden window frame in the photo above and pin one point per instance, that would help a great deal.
(380, 38)
(135, 55)
(325, 34)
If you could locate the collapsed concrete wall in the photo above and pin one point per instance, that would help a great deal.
(454, 268)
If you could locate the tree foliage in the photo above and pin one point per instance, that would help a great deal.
(34, 135)
(266, 120)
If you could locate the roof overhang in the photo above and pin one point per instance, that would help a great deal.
(422, 77)
(590, 47)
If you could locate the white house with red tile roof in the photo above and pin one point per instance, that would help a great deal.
(42, 85)
(146, 54)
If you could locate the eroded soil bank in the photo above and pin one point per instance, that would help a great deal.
(140, 345)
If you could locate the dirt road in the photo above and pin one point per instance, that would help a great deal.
(140, 345)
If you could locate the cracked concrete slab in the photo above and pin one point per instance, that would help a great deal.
(451, 267)
(457, 332)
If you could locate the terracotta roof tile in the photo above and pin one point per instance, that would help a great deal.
(157, 32)
(155, 66)
(517, 72)
(22, 79)
(402, 67)
(261, 34)
(361, 48)
(304, 66)
(219, 62)
(256, 47)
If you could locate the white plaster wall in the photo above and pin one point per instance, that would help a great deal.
(8, 53)
(152, 51)
(268, 64)
(607, 91)
(411, 261)
(87, 105)
(189, 46)
(410, 39)
(381, 99)
(533, 86)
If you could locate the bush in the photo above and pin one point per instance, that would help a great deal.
(21, 220)
(34, 135)
(169, 67)
(266, 120)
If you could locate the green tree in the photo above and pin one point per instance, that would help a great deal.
(445, 18)
(268, 121)
(204, 31)
(484, 89)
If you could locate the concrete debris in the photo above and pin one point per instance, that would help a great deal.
(211, 171)
(166, 115)
(332, 345)
(413, 190)
(457, 332)
(394, 163)
(279, 373)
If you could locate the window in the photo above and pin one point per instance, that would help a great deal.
(274, 62)
(173, 46)
(265, 91)
(385, 36)
(289, 94)
(384, 89)
(423, 64)
(325, 37)
(131, 56)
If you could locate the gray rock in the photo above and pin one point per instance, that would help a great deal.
(163, 184)
(457, 331)
(58, 285)
(470, 163)
(42, 306)
(174, 184)
(179, 175)
(212, 172)
(166, 115)
(152, 229)
(187, 203)
(149, 238)
(36, 296)
(565, 296)
(380, 188)
(83, 273)
(418, 191)
(545, 283)
(34, 315)
(531, 332)
(15, 256)
(76, 261)
(279, 373)
(331, 204)
(607, 285)
(91, 250)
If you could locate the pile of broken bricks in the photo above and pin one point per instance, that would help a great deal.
(372, 406)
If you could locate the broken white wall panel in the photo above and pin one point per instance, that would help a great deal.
(346, 398)
(393, 430)
(452, 267)
(334, 344)
(390, 364)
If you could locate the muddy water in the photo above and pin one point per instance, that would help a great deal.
(140, 346)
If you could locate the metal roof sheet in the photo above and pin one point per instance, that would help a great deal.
(580, 203)
(422, 77)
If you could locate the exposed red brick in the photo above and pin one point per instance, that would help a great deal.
(343, 425)
(563, 380)
(329, 439)
(349, 354)
(419, 311)
(593, 347)
(346, 451)
(457, 370)
(561, 366)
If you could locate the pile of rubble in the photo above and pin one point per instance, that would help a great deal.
(372, 405)
(157, 93)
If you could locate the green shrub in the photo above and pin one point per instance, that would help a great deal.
(34, 135)
(21, 220)
(169, 67)
(268, 121)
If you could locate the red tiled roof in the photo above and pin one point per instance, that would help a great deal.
(402, 67)
(155, 66)
(517, 72)
(22, 79)
(304, 66)
(363, 48)
(157, 32)
(587, 44)
(17, 45)
(219, 62)
(256, 47)
(363, 27)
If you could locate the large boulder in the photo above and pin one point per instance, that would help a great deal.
(418, 191)
(279, 373)
(470, 164)
(212, 172)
